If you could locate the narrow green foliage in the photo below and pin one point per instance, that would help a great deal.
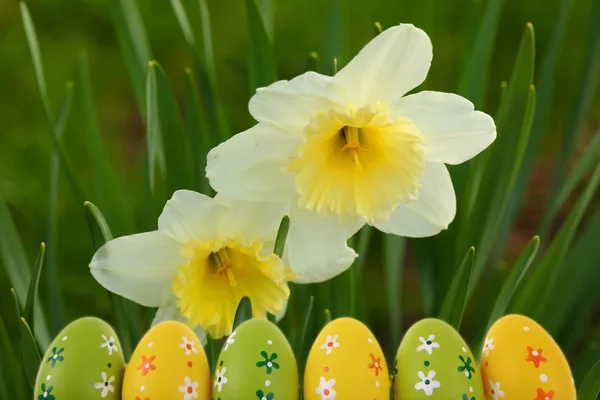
(11, 378)
(456, 298)
(586, 90)
(243, 312)
(535, 296)
(327, 317)
(304, 341)
(125, 312)
(313, 63)
(34, 48)
(110, 197)
(336, 42)
(34, 283)
(17, 268)
(134, 44)
(582, 166)
(261, 57)
(184, 24)
(393, 267)
(590, 387)
(475, 75)
(199, 134)
(52, 281)
(172, 137)
(153, 140)
(282, 232)
(517, 273)
(514, 119)
(31, 354)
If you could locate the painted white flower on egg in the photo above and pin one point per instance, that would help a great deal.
(326, 389)
(330, 344)
(489, 345)
(495, 391)
(105, 385)
(220, 379)
(109, 344)
(189, 389)
(428, 345)
(230, 340)
(427, 384)
(188, 346)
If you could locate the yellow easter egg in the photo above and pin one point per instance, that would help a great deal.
(520, 360)
(346, 362)
(168, 363)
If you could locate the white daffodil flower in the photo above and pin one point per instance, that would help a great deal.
(205, 256)
(352, 149)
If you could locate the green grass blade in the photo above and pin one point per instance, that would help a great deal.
(304, 342)
(54, 297)
(172, 137)
(107, 191)
(474, 80)
(534, 299)
(510, 286)
(152, 141)
(586, 90)
(34, 48)
(282, 232)
(514, 121)
(12, 376)
(393, 266)
(134, 45)
(31, 354)
(327, 317)
(590, 387)
(17, 268)
(196, 122)
(336, 51)
(582, 167)
(243, 312)
(261, 56)
(34, 283)
(208, 79)
(456, 298)
(126, 313)
(184, 23)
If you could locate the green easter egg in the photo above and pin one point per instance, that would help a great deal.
(434, 362)
(85, 361)
(256, 362)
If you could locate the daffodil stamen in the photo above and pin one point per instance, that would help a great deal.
(351, 136)
(221, 265)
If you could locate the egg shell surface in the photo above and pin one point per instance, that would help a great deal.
(346, 362)
(520, 360)
(168, 364)
(85, 361)
(434, 362)
(256, 362)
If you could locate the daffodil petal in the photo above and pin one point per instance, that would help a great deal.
(291, 104)
(316, 248)
(389, 66)
(138, 267)
(431, 213)
(251, 165)
(454, 132)
(189, 216)
(170, 312)
(251, 219)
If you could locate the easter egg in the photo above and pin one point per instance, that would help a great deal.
(168, 363)
(434, 362)
(346, 362)
(256, 362)
(85, 361)
(520, 360)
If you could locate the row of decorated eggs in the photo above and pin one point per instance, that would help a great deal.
(519, 360)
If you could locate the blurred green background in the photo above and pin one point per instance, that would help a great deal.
(335, 28)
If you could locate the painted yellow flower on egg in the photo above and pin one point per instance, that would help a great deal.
(352, 149)
(205, 256)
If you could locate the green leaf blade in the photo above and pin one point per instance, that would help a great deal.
(243, 312)
(590, 387)
(456, 299)
(261, 57)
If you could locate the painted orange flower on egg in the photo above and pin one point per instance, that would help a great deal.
(146, 365)
(535, 356)
(376, 364)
